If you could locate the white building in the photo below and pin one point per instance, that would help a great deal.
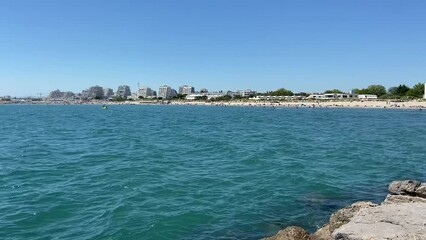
(146, 92)
(108, 93)
(316, 96)
(123, 91)
(337, 96)
(215, 95)
(273, 98)
(166, 92)
(246, 93)
(424, 96)
(185, 89)
(367, 96)
(193, 96)
(95, 92)
(330, 96)
(57, 95)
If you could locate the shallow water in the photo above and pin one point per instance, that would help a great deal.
(192, 172)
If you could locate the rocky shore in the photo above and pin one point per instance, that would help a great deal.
(402, 215)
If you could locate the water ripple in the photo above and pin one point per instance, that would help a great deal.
(167, 172)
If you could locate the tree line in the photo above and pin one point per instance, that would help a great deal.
(398, 92)
(401, 91)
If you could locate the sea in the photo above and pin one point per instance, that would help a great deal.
(195, 172)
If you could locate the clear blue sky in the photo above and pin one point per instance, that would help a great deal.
(219, 44)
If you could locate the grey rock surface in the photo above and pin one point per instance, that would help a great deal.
(388, 221)
(402, 215)
(322, 233)
(344, 215)
(421, 190)
(407, 187)
(290, 233)
(392, 199)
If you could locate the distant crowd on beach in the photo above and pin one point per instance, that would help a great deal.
(413, 104)
(319, 104)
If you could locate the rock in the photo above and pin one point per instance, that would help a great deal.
(322, 233)
(407, 187)
(387, 221)
(402, 215)
(421, 190)
(392, 199)
(290, 233)
(343, 216)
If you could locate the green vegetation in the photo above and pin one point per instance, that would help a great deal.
(199, 98)
(180, 96)
(281, 92)
(333, 91)
(404, 92)
(401, 90)
(378, 90)
(223, 98)
(119, 99)
(417, 91)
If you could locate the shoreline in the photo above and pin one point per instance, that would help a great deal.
(399, 216)
(414, 105)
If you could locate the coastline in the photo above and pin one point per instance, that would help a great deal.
(399, 216)
(367, 104)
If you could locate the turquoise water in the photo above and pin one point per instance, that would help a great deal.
(169, 172)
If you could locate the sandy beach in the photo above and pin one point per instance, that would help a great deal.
(314, 104)
(373, 104)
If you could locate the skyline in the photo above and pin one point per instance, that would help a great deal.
(219, 45)
(387, 89)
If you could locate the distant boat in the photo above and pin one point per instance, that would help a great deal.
(104, 107)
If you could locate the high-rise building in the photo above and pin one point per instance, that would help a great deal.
(166, 92)
(58, 95)
(123, 91)
(246, 93)
(185, 89)
(146, 92)
(95, 92)
(108, 93)
(69, 95)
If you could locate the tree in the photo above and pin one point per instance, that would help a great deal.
(401, 90)
(378, 90)
(199, 98)
(392, 90)
(302, 94)
(333, 91)
(417, 91)
(281, 92)
(180, 96)
(118, 99)
(222, 98)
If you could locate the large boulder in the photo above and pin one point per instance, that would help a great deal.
(290, 233)
(421, 190)
(395, 199)
(407, 187)
(322, 233)
(344, 215)
(388, 221)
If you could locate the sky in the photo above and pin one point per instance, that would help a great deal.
(301, 45)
